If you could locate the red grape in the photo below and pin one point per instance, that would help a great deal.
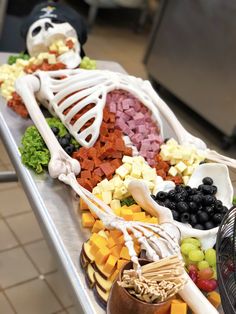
(207, 285)
(206, 273)
(192, 267)
(193, 275)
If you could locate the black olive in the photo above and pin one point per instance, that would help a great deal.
(200, 187)
(218, 208)
(167, 203)
(172, 205)
(161, 196)
(193, 219)
(218, 202)
(206, 189)
(194, 191)
(175, 214)
(64, 142)
(224, 210)
(153, 197)
(182, 207)
(185, 217)
(179, 188)
(217, 218)
(208, 199)
(184, 193)
(69, 149)
(193, 207)
(207, 181)
(197, 198)
(214, 189)
(210, 210)
(203, 216)
(188, 189)
(67, 136)
(171, 194)
(179, 197)
(55, 130)
(199, 226)
(209, 225)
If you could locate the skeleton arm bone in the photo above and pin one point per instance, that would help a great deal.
(60, 162)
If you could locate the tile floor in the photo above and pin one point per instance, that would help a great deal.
(29, 280)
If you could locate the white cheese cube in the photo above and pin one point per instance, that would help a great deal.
(177, 154)
(96, 190)
(107, 197)
(128, 166)
(188, 171)
(185, 179)
(136, 170)
(180, 167)
(172, 142)
(127, 159)
(118, 194)
(122, 171)
(139, 159)
(172, 171)
(115, 204)
(149, 175)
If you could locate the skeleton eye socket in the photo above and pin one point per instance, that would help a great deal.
(47, 26)
(36, 30)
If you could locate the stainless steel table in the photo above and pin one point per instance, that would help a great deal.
(53, 205)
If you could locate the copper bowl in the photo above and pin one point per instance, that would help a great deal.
(121, 301)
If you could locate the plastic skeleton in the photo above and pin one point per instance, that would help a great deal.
(80, 88)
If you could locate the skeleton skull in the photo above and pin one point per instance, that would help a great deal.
(44, 32)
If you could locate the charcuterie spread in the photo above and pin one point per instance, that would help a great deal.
(149, 190)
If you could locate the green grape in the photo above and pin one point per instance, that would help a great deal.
(210, 257)
(193, 241)
(202, 265)
(196, 255)
(187, 247)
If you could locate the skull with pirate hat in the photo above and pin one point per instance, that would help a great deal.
(51, 21)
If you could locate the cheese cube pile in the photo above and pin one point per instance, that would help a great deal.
(116, 189)
(183, 158)
(59, 46)
(9, 73)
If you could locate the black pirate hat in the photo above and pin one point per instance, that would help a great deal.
(58, 13)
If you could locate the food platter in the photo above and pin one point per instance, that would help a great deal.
(57, 211)
(53, 205)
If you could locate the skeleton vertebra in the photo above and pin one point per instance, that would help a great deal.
(44, 32)
(93, 86)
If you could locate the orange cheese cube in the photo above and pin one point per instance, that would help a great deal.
(83, 205)
(153, 220)
(114, 275)
(120, 240)
(111, 242)
(97, 242)
(214, 298)
(110, 263)
(115, 250)
(120, 263)
(135, 208)
(139, 216)
(127, 214)
(125, 253)
(178, 308)
(115, 234)
(102, 255)
(87, 220)
(98, 225)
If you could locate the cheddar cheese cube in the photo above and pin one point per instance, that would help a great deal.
(114, 275)
(110, 263)
(102, 255)
(121, 263)
(98, 225)
(83, 205)
(178, 308)
(139, 216)
(111, 242)
(135, 208)
(115, 250)
(127, 214)
(87, 220)
(124, 254)
(214, 298)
